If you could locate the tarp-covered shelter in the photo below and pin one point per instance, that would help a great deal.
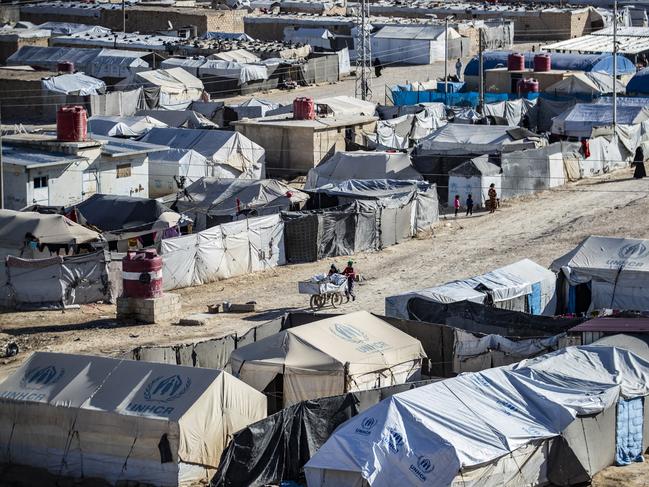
(47, 229)
(580, 120)
(252, 108)
(172, 89)
(473, 178)
(175, 168)
(353, 352)
(532, 170)
(604, 272)
(241, 72)
(99, 63)
(224, 251)
(343, 106)
(358, 215)
(556, 419)
(584, 84)
(362, 165)
(77, 84)
(521, 286)
(188, 119)
(639, 84)
(211, 201)
(124, 217)
(313, 36)
(231, 152)
(595, 63)
(417, 44)
(114, 126)
(122, 420)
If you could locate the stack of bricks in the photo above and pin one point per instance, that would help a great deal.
(165, 309)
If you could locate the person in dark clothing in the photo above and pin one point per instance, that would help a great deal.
(333, 270)
(378, 67)
(493, 198)
(469, 205)
(351, 277)
(638, 161)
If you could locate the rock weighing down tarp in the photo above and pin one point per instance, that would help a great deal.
(526, 425)
(615, 272)
(224, 251)
(121, 420)
(521, 286)
(346, 353)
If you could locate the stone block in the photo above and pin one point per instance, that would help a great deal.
(165, 309)
(198, 319)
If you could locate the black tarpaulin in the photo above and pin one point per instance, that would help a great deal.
(476, 317)
(111, 213)
(277, 447)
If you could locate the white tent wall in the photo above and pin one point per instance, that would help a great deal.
(530, 171)
(408, 51)
(121, 420)
(224, 251)
(476, 186)
(168, 166)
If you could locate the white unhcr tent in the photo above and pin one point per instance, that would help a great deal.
(612, 272)
(115, 126)
(527, 425)
(122, 420)
(233, 154)
(580, 120)
(415, 44)
(521, 286)
(353, 352)
(362, 165)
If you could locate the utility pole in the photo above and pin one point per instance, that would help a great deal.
(481, 68)
(124, 16)
(363, 87)
(2, 167)
(446, 60)
(615, 68)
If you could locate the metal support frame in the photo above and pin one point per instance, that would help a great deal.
(363, 88)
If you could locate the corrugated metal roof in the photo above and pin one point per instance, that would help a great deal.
(31, 159)
(614, 324)
(602, 43)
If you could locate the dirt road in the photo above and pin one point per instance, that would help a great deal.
(541, 227)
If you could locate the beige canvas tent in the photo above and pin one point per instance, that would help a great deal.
(354, 352)
(121, 420)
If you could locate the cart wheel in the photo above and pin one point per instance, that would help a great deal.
(336, 300)
(314, 302)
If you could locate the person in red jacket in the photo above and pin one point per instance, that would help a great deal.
(351, 276)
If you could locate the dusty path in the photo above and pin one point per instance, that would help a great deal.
(541, 227)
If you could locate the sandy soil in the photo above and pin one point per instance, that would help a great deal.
(541, 227)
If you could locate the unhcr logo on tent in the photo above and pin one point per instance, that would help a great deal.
(366, 426)
(348, 333)
(41, 377)
(632, 250)
(394, 440)
(166, 389)
(424, 467)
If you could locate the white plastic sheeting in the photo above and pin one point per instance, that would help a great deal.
(315, 37)
(178, 88)
(361, 165)
(115, 126)
(616, 268)
(121, 420)
(224, 251)
(343, 106)
(231, 151)
(411, 44)
(243, 72)
(74, 84)
(435, 433)
(166, 168)
(506, 283)
(513, 110)
(580, 120)
(473, 178)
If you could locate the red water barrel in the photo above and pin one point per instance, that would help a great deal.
(71, 124)
(65, 67)
(516, 62)
(303, 108)
(142, 274)
(527, 85)
(542, 62)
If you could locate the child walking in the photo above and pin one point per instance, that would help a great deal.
(456, 204)
(469, 205)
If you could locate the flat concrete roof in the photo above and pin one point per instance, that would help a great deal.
(321, 123)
